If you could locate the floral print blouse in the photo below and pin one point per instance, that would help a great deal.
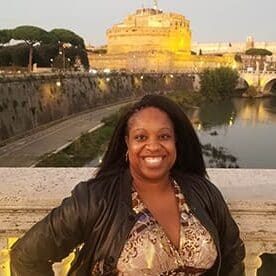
(148, 251)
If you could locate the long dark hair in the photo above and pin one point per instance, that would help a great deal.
(189, 154)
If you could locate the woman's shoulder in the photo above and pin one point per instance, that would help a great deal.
(198, 184)
(96, 185)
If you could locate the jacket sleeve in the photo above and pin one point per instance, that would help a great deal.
(231, 246)
(52, 238)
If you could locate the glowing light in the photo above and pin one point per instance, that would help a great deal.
(93, 71)
(58, 83)
(199, 126)
(171, 75)
(107, 79)
(106, 70)
(141, 77)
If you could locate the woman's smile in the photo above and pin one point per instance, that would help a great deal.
(154, 161)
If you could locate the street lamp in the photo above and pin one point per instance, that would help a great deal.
(51, 62)
(62, 52)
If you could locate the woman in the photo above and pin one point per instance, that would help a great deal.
(150, 210)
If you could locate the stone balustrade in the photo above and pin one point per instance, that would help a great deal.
(27, 195)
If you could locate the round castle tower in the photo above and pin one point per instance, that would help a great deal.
(148, 30)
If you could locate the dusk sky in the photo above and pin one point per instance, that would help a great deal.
(211, 20)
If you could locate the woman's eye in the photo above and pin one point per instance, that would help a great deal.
(140, 138)
(165, 136)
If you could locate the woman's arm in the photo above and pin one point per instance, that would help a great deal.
(52, 238)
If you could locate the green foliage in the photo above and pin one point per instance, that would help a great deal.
(66, 36)
(238, 58)
(258, 52)
(218, 84)
(42, 47)
(16, 55)
(44, 53)
(32, 35)
(88, 147)
(19, 55)
(74, 52)
(5, 56)
(186, 98)
(5, 36)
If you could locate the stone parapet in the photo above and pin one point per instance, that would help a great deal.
(27, 195)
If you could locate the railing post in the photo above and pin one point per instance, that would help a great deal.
(4, 257)
(252, 263)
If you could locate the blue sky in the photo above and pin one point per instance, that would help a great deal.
(211, 20)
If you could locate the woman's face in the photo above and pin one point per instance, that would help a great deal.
(151, 144)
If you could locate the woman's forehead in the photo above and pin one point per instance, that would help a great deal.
(150, 117)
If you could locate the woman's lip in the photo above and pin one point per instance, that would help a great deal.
(153, 156)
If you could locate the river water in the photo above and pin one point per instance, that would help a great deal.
(242, 128)
(245, 129)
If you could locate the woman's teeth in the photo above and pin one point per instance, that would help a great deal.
(153, 160)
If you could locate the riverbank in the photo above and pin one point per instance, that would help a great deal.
(28, 102)
(91, 146)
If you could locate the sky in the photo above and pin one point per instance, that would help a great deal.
(211, 20)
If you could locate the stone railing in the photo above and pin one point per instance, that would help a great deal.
(26, 195)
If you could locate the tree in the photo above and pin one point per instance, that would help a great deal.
(5, 36)
(66, 36)
(5, 56)
(219, 83)
(238, 58)
(32, 35)
(258, 52)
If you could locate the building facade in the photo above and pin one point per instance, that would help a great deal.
(151, 40)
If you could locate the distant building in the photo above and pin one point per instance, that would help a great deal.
(232, 47)
(154, 41)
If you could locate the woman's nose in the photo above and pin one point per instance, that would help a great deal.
(153, 145)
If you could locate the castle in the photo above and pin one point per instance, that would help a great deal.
(151, 40)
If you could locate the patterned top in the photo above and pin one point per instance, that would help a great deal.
(148, 251)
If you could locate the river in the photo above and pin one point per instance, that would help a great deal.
(242, 128)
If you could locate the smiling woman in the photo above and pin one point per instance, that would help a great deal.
(151, 145)
(150, 210)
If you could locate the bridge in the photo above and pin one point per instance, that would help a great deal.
(28, 194)
(262, 81)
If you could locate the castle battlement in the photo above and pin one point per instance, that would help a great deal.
(148, 30)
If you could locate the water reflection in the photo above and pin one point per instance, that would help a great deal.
(256, 111)
(244, 128)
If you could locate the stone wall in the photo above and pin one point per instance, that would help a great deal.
(30, 101)
(158, 61)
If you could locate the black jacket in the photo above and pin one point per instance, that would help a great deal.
(99, 216)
